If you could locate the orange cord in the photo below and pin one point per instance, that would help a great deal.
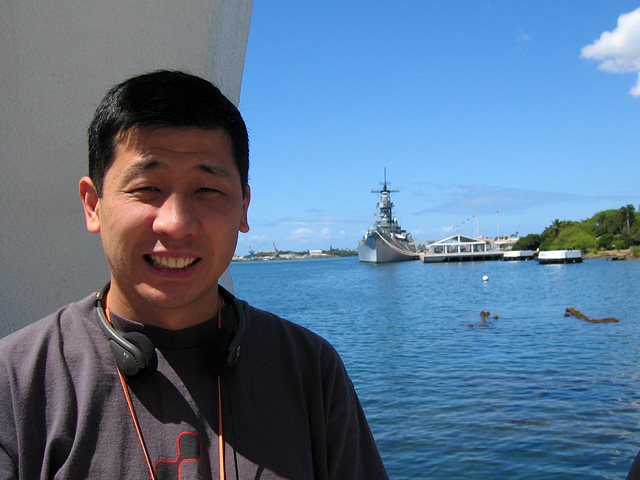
(137, 424)
(220, 436)
(125, 388)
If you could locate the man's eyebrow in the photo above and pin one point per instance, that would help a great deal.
(136, 168)
(150, 164)
(213, 170)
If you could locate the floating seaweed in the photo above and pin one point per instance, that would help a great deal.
(483, 315)
(572, 311)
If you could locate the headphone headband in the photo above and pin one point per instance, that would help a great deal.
(233, 350)
(134, 358)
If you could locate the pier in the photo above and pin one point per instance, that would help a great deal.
(460, 248)
(426, 257)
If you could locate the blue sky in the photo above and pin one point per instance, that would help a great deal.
(474, 108)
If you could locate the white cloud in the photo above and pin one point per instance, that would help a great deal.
(523, 37)
(302, 234)
(310, 234)
(304, 238)
(619, 51)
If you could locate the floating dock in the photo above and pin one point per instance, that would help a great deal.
(560, 256)
(512, 255)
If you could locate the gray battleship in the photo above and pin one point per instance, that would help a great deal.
(386, 241)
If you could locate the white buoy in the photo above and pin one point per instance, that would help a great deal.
(485, 278)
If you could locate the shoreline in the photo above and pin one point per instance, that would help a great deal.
(613, 255)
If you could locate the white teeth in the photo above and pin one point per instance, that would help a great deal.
(170, 262)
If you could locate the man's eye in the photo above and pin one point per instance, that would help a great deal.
(207, 190)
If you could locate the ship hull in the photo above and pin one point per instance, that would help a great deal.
(374, 249)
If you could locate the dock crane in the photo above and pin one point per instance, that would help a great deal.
(252, 252)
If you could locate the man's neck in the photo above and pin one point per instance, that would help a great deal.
(166, 318)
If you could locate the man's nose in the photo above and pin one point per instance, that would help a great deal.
(174, 218)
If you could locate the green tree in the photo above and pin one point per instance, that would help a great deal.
(574, 236)
(605, 242)
(628, 217)
(635, 230)
(530, 242)
(550, 234)
(614, 229)
(621, 242)
(608, 221)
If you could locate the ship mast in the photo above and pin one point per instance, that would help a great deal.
(385, 206)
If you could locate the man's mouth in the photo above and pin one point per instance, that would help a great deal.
(170, 262)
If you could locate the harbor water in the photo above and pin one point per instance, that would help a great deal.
(531, 394)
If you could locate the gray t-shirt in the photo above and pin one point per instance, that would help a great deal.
(289, 408)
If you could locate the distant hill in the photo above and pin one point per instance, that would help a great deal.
(616, 229)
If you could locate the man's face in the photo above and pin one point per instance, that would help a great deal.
(171, 208)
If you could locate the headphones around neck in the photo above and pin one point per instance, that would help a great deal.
(136, 355)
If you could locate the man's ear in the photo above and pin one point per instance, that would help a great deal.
(244, 224)
(90, 203)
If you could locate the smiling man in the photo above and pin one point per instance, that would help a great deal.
(164, 374)
(169, 211)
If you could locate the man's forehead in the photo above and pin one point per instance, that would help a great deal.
(148, 149)
(139, 137)
(144, 164)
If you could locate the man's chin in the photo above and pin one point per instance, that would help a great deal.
(174, 300)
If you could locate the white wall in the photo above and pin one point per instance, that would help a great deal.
(57, 59)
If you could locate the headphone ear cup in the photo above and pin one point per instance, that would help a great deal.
(134, 353)
(137, 361)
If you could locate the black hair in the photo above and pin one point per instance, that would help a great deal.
(164, 99)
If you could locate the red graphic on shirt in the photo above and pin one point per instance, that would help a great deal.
(188, 451)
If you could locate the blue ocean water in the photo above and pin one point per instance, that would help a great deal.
(529, 395)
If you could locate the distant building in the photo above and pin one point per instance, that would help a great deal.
(506, 243)
(459, 244)
(460, 249)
